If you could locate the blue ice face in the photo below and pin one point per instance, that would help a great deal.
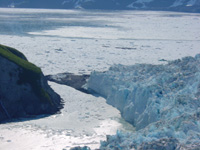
(161, 101)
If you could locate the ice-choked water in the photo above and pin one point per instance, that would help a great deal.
(161, 101)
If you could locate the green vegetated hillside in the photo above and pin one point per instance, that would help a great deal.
(24, 75)
(31, 74)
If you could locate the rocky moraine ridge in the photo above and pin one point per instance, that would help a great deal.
(24, 91)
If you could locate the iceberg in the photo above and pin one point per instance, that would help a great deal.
(161, 101)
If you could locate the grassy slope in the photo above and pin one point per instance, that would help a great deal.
(17, 57)
(14, 51)
(31, 74)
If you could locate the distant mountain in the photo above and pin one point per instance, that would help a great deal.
(173, 5)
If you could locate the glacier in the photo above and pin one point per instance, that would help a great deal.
(161, 101)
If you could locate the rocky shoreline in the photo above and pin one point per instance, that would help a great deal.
(75, 81)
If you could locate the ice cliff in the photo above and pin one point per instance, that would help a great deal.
(24, 91)
(161, 101)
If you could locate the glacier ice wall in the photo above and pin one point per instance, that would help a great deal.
(161, 101)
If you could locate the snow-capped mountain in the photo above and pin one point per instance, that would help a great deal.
(174, 5)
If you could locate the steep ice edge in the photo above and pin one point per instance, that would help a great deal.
(161, 101)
